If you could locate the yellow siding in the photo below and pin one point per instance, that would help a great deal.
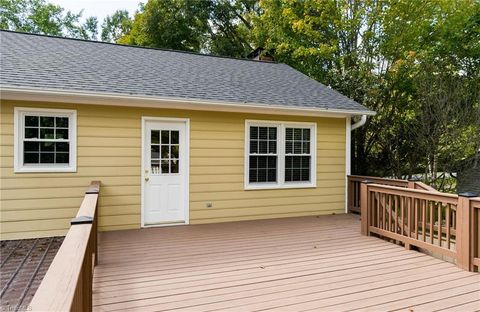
(109, 149)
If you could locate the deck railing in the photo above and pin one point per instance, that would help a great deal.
(416, 215)
(353, 189)
(67, 285)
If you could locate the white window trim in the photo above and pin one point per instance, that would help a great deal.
(280, 184)
(19, 128)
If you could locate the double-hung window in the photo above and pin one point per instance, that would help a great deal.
(280, 155)
(45, 140)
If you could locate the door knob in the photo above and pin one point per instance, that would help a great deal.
(147, 178)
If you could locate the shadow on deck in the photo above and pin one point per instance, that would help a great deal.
(293, 264)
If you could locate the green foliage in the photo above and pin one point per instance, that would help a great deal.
(116, 26)
(217, 26)
(40, 17)
(416, 63)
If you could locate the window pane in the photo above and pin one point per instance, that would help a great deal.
(306, 134)
(31, 121)
(253, 162)
(174, 166)
(305, 175)
(296, 162)
(155, 137)
(262, 133)
(31, 146)
(31, 158)
(272, 175)
(47, 158)
(272, 147)
(47, 121)
(165, 166)
(262, 162)
(289, 134)
(165, 137)
(47, 146)
(61, 158)
(62, 146)
(289, 147)
(252, 176)
(297, 134)
(155, 152)
(165, 151)
(306, 147)
(297, 147)
(31, 133)
(288, 174)
(174, 137)
(272, 162)
(155, 166)
(253, 133)
(272, 133)
(262, 175)
(61, 134)
(61, 122)
(46, 133)
(305, 162)
(174, 151)
(262, 147)
(253, 147)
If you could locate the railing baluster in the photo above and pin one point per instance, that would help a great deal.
(424, 220)
(447, 225)
(430, 212)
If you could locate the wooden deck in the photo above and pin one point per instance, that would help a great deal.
(294, 264)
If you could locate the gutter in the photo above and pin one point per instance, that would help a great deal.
(360, 123)
(115, 99)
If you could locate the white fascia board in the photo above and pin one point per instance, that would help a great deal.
(100, 98)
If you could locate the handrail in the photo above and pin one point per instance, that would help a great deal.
(437, 222)
(354, 181)
(67, 285)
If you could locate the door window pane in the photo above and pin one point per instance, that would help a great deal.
(165, 151)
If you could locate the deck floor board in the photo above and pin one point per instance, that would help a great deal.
(293, 264)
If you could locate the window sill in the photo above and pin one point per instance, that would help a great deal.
(45, 169)
(253, 187)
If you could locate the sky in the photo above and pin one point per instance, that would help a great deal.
(98, 8)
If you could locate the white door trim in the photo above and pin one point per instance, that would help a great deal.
(186, 121)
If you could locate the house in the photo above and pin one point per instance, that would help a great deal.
(468, 175)
(174, 137)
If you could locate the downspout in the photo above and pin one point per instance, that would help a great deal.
(350, 128)
(360, 123)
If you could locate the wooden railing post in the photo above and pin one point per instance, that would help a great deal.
(463, 231)
(364, 208)
(411, 183)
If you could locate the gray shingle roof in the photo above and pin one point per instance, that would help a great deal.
(36, 61)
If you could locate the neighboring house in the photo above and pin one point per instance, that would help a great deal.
(174, 137)
(468, 177)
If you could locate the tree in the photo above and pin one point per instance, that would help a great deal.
(372, 51)
(116, 26)
(173, 24)
(215, 26)
(40, 17)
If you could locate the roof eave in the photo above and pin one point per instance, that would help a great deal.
(114, 99)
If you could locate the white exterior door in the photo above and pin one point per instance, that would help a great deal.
(165, 172)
